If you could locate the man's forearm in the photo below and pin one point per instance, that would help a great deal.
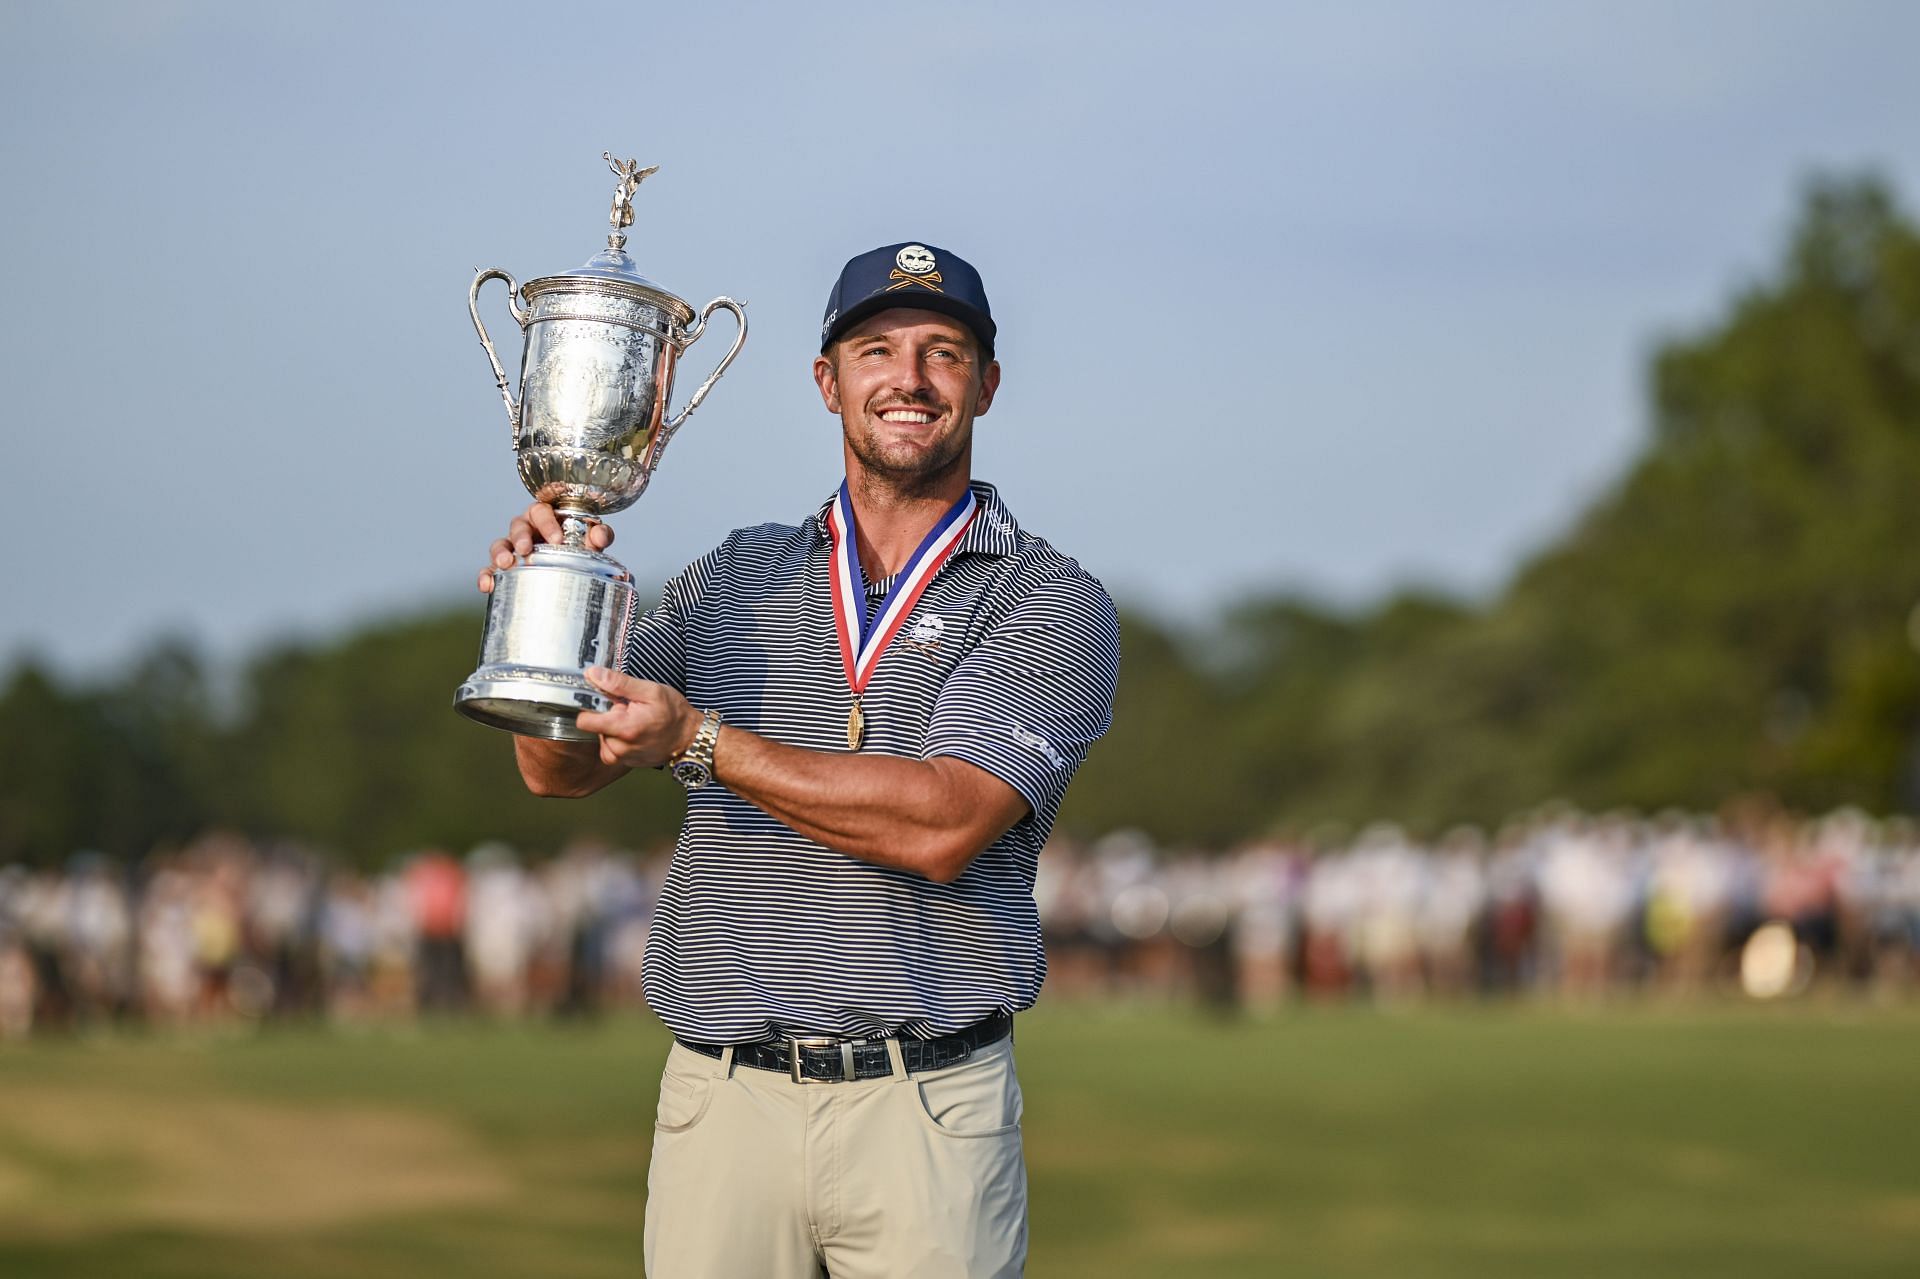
(928, 816)
(931, 816)
(563, 770)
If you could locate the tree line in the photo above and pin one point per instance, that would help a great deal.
(1735, 615)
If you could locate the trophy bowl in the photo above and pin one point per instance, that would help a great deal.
(589, 426)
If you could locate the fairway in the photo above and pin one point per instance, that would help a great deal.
(1706, 1141)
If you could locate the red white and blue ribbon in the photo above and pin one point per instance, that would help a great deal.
(862, 641)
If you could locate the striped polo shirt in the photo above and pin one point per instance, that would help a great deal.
(1008, 661)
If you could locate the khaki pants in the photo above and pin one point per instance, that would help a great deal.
(757, 1177)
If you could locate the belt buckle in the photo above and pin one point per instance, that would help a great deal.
(795, 1044)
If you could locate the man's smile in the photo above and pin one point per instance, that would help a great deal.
(908, 417)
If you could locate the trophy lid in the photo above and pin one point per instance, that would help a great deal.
(611, 265)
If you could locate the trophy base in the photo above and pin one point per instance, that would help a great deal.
(550, 617)
(530, 703)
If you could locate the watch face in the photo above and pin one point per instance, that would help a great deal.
(692, 774)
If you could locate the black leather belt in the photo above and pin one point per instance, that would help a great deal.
(827, 1059)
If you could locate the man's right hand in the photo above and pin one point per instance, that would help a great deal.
(537, 524)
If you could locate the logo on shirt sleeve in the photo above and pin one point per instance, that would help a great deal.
(1034, 742)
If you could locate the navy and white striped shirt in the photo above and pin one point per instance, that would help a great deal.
(1008, 662)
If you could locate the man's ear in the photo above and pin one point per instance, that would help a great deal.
(989, 383)
(826, 376)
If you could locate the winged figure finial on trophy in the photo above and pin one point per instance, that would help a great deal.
(631, 175)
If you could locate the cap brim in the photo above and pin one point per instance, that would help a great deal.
(981, 325)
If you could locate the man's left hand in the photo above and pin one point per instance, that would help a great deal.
(649, 722)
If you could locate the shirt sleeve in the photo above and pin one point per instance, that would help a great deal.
(657, 645)
(1036, 693)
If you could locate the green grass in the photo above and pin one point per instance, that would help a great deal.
(1707, 1141)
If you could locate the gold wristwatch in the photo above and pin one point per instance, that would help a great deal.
(693, 767)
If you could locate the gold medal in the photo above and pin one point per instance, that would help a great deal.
(856, 726)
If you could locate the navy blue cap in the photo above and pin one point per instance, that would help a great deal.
(911, 275)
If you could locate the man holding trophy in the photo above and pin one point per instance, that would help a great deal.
(875, 714)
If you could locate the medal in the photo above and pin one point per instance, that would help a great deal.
(862, 642)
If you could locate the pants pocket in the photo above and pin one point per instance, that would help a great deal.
(686, 1091)
(980, 1097)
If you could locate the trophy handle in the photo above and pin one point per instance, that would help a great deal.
(691, 336)
(493, 358)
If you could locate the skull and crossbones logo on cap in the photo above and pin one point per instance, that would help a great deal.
(914, 264)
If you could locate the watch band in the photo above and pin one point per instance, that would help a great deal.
(693, 767)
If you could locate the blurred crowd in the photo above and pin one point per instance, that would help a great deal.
(228, 930)
(1560, 904)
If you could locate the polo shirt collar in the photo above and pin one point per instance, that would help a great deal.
(993, 531)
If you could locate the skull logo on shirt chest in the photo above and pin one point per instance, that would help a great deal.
(924, 636)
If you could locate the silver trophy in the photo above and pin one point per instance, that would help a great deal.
(588, 428)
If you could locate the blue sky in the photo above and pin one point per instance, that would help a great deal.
(1325, 297)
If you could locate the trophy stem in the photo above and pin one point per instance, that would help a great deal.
(574, 525)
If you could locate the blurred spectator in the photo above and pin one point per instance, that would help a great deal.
(349, 946)
(504, 915)
(437, 898)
